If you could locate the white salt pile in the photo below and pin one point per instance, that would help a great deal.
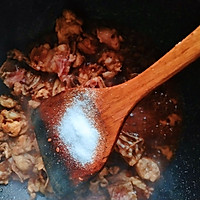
(78, 131)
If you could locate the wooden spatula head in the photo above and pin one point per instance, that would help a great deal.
(77, 156)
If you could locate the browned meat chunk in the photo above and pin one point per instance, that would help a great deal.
(113, 63)
(96, 82)
(130, 147)
(148, 169)
(79, 60)
(13, 123)
(87, 44)
(5, 151)
(34, 85)
(67, 26)
(57, 60)
(109, 37)
(88, 72)
(23, 143)
(13, 77)
(5, 172)
(135, 186)
(7, 102)
(122, 191)
(24, 162)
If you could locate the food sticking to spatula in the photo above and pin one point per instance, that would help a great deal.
(77, 129)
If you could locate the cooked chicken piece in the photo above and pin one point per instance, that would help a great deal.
(5, 151)
(7, 102)
(88, 72)
(79, 60)
(42, 93)
(24, 162)
(148, 169)
(14, 77)
(17, 55)
(33, 187)
(112, 61)
(57, 60)
(1, 122)
(33, 104)
(30, 85)
(88, 44)
(3, 136)
(134, 184)
(14, 123)
(130, 147)
(12, 128)
(23, 143)
(10, 115)
(100, 181)
(39, 165)
(5, 172)
(34, 85)
(141, 186)
(96, 82)
(38, 184)
(109, 74)
(67, 26)
(122, 191)
(109, 37)
(18, 174)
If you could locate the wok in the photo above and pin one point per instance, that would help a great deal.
(166, 23)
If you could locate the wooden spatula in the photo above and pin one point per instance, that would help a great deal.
(105, 109)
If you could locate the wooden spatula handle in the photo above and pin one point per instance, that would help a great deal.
(184, 53)
(122, 98)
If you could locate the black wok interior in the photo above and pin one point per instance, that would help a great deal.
(166, 23)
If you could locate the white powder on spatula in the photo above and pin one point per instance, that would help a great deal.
(78, 132)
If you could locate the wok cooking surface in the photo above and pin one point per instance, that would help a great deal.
(166, 23)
